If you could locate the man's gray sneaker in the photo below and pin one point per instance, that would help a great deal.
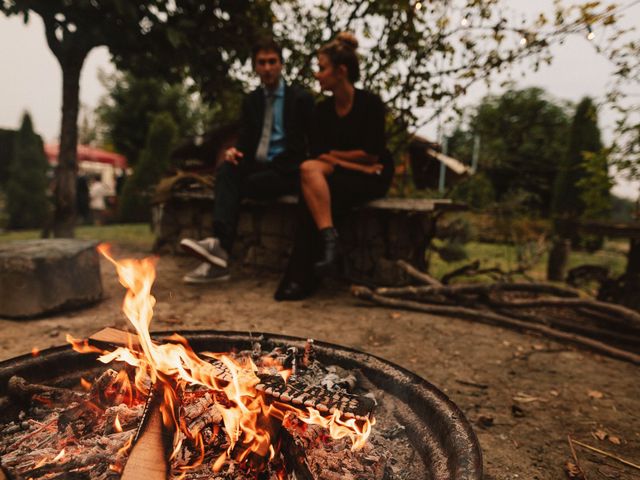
(206, 273)
(208, 250)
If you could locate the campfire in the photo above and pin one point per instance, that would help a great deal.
(159, 409)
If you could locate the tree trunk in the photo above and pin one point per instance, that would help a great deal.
(65, 178)
(558, 257)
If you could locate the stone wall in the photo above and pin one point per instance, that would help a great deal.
(373, 239)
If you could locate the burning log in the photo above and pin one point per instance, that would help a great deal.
(313, 458)
(21, 390)
(148, 458)
(292, 392)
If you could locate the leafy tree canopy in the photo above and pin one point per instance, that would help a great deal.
(126, 113)
(523, 139)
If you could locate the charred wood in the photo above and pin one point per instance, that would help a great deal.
(21, 390)
(293, 392)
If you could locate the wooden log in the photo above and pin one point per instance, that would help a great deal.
(293, 392)
(496, 319)
(418, 275)
(624, 316)
(20, 389)
(148, 457)
(630, 342)
(294, 455)
(465, 289)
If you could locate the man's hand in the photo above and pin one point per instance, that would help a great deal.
(233, 155)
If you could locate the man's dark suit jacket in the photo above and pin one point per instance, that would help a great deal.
(298, 107)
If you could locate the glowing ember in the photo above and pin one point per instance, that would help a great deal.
(173, 370)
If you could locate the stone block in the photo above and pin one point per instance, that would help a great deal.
(43, 276)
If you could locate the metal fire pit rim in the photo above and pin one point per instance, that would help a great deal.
(473, 466)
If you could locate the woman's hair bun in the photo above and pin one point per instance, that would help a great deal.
(348, 39)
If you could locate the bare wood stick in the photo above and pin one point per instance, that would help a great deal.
(613, 336)
(575, 457)
(625, 315)
(479, 289)
(607, 454)
(20, 388)
(147, 459)
(496, 319)
(418, 275)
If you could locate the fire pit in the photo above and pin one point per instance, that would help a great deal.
(222, 406)
(437, 430)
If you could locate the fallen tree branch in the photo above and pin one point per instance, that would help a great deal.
(574, 326)
(479, 289)
(575, 457)
(625, 315)
(607, 454)
(495, 319)
(418, 275)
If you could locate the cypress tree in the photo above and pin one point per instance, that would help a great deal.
(581, 189)
(26, 186)
(153, 162)
(582, 185)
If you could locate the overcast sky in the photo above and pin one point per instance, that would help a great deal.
(31, 78)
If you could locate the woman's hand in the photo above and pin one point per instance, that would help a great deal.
(375, 169)
(328, 158)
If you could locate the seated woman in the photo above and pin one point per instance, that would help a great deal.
(350, 166)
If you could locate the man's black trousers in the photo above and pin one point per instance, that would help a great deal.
(255, 180)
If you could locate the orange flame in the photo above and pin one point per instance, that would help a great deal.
(172, 366)
(59, 456)
(86, 384)
(116, 424)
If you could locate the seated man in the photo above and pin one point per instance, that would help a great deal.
(263, 165)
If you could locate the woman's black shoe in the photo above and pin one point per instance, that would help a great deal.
(329, 256)
(291, 291)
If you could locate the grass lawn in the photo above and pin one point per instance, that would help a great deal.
(136, 235)
(140, 237)
(504, 256)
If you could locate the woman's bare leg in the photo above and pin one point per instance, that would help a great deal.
(313, 177)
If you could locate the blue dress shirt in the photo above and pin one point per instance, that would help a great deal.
(277, 140)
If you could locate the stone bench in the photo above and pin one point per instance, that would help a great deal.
(376, 236)
(38, 277)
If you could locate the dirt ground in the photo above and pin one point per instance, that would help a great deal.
(523, 394)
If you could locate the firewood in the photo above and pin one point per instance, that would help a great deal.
(477, 289)
(418, 275)
(293, 392)
(315, 458)
(496, 319)
(295, 456)
(22, 390)
(625, 316)
(148, 459)
(553, 320)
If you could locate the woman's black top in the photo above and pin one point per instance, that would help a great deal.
(360, 129)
